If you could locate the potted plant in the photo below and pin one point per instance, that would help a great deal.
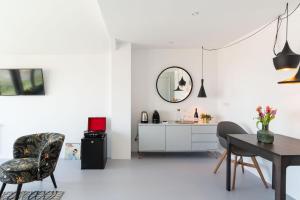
(264, 118)
(205, 118)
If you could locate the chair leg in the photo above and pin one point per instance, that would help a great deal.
(53, 180)
(18, 191)
(223, 156)
(234, 172)
(259, 171)
(2, 189)
(242, 164)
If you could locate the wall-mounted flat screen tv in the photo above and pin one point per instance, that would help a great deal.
(21, 82)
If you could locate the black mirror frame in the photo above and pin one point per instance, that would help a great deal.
(176, 67)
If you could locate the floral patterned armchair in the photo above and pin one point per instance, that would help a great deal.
(35, 158)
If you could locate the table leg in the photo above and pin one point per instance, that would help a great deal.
(273, 176)
(228, 165)
(280, 183)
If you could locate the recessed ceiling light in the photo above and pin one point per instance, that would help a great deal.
(195, 13)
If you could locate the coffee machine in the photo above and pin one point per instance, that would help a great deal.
(155, 117)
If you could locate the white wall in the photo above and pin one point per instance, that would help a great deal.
(247, 78)
(76, 88)
(146, 66)
(70, 41)
(121, 100)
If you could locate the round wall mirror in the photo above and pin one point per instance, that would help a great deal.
(174, 84)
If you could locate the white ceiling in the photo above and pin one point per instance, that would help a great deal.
(52, 27)
(170, 23)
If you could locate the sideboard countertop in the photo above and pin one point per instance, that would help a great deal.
(173, 123)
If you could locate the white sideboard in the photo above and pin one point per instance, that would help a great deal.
(173, 137)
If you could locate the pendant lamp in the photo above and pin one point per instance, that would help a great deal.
(202, 92)
(182, 82)
(286, 59)
(178, 89)
(293, 80)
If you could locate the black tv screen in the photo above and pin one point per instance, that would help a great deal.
(21, 82)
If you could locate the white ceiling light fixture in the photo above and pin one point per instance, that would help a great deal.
(196, 13)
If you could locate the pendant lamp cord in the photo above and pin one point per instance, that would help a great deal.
(278, 19)
(276, 36)
(287, 21)
(202, 61)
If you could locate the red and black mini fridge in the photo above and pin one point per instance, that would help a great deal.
(94, 144)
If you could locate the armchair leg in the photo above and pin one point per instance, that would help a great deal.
(223, 156)
(242, 164)
(259, 171)
(53, 180)
(2, 189)
(18, 191)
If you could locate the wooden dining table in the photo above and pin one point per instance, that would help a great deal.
(284, 152)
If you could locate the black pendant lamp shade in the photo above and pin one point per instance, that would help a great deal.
(294, 79)
(182, 82)
(202, 92)
(286, 59)
(178, 89)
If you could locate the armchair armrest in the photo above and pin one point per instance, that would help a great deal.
(49, 155)
(26, 147)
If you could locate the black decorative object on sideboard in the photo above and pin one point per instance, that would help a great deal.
(94, 152)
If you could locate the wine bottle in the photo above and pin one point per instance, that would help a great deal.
(196, 116)
(178, 115)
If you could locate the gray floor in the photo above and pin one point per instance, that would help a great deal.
(155, 177)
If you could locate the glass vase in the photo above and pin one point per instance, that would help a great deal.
(264, 135)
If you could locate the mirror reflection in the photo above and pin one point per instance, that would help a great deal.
(174, 84)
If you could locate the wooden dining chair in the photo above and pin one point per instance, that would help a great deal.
(227, 127)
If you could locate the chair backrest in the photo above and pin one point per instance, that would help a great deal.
(226, 127)
(45, 147)
(29, 146)
(49, 153)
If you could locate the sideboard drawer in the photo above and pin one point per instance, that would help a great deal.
(204, 129)
(204, 137)
(199, 146)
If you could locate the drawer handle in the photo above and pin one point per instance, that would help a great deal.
(92, 142)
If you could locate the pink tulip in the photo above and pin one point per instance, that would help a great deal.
(261, 115)
(273, 112)
(268, 109)
(258, 109)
